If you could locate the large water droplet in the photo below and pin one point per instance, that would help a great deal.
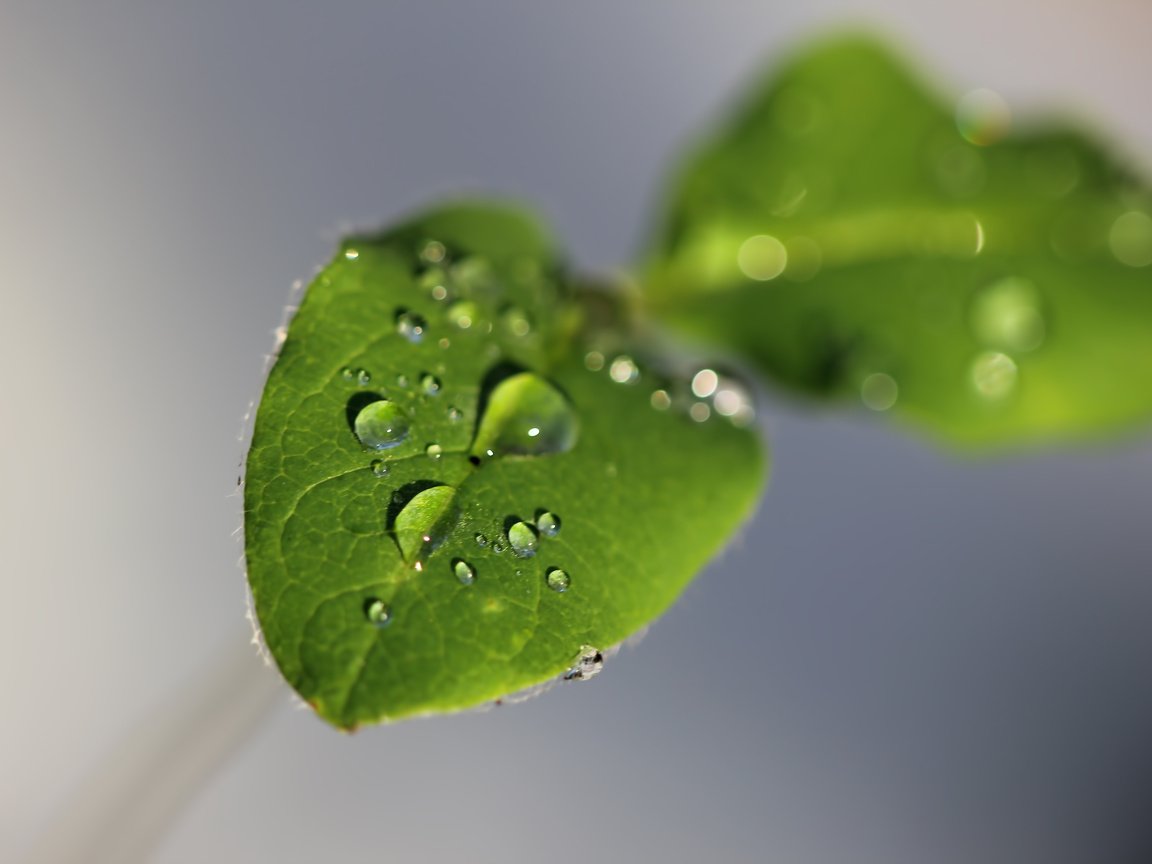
(377, 612)
(526, 416)
(557, 580)
(1007, 315)
(1130, 238)
(982, 116)
(548, 524)
(465, 573)
(425, 521)
(993, 375)
(523, 540)
(587, 664)
(381, 424)
(410, 325)
(879, 391)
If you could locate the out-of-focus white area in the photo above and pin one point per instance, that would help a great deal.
(908, 657)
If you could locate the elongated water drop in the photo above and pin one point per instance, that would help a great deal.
(523, 540)
(465, 573)
(377, 612)
(526, 416)
(425, 521)
(548, 524)
(381, 425)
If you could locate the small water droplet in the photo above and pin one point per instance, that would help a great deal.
(518, 405)
(624, 370)
(481, 540)
(523, 540)
(429, 383)
(993, 375)
(762, 257)
(1130, 238)
(377, 612)
(433, 252)
(465, 573)
(593, 361)
(879, 391)
(455, 414)
(351, 254)
(363, 378)
(515, 320)
(463, 314)
(410, 325)
(660, 400)
(498, 546)
(587, 664)
(548, 524)
(444, 343)
(704, 383)
(699, 411)
(348, 373)
(434, 451)
(1006, 315)
(982, 116)
(381, 425)
(380, 468)
(557, 580)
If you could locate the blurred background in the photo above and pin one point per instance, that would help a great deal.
(908, 656)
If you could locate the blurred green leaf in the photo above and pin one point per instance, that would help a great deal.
(447, 501)
(853, 236)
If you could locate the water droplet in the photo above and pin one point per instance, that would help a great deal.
(733, 400)
(481, 540)
(425, 521)
(401, 380)
(381, 424)
(699, 411)
(523, 540)
(557, 580)
(982, 116)
(498, 546)
(433, 252)
(463, 314)
(434, 451)
(993, 375)
(380, 468)
(548, 524)
(516, 321)
(465, 573)
(593, 361)
(348, 373)
(624, 370)
(879, 391)
(1006, 315)
(660, 400)
(762, 257)
(455, 414)
(351, 254)
(704, 383)
(430, 384)
(518, 405)
(363, 378)
(1130, 238)
(410, 325)
(377, 612)
(587, 664)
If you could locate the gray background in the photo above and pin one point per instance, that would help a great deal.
(907, 656)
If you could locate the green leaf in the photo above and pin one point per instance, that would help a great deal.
(854, 237)
(444, 502)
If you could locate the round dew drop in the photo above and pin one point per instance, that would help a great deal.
(557, 580)
(381, 425)
(465, 573)
(548, 524)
